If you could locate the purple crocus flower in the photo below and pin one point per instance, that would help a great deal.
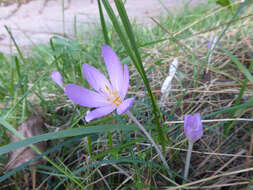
(193, 127)
(107, 96)
(56, 77)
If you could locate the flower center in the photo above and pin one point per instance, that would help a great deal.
(112, 96)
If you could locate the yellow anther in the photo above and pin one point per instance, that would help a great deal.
(115, 100)
(112, 96)
(108, 90)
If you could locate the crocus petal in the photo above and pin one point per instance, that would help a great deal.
(125, 84)
(95, 78)
(125, 106)
(113, 66)
(193, 127)
(84, 97)
(99, 112)
(56, 77)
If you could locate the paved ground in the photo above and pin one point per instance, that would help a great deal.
(35, 22)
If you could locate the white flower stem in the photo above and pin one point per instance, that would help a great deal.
(150, 139)
(188, 159)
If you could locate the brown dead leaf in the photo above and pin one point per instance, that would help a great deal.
(29, 128)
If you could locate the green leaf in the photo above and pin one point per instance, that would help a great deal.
(12, 172)
(20, 136)
(128, 40)
(103, 24)
(121, 160)
(223, 3)
(15, 44)
(230, 109)
(62, 134)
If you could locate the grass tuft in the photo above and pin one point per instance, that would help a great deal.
(111, 153)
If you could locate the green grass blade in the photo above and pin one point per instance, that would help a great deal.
(121, 160)
(132, 50)
(10, 128)
(229, 125)
(24, 95)
(232, 21)
(20, 136)
(103, 24)
(227, 110)
(15, 44)
(61, 134)
(240, 66)
(19, 168)
(118, 29)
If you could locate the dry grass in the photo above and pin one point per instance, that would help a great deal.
(218, 161)
(215, 87)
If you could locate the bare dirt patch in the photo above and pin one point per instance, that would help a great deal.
(34, 22)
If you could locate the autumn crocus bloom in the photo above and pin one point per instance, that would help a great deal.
(56, 77)
(107, 96)
(193, 127)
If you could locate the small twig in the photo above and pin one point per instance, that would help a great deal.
(250, 149)
(14, 11)
(207, 153)
(210, 178)
(124, 182)
(231, 160)
(104, 179)
(33, 171)
(225, 165)
(223, 24)
(168, 179)
(219, 186)
(172, 36)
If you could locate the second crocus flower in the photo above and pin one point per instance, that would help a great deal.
(193, 127)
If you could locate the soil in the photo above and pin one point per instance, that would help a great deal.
(10, 2)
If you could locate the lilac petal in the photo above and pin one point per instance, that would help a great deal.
(125, 106)
(113, 66)
(125, 84)
(99, 112)
(193, 128)
(56, 77)
(84, 97)
(95, 78)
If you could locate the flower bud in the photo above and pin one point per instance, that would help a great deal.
(56, 77)
(193, 127)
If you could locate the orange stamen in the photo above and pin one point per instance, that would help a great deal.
(113, 96)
